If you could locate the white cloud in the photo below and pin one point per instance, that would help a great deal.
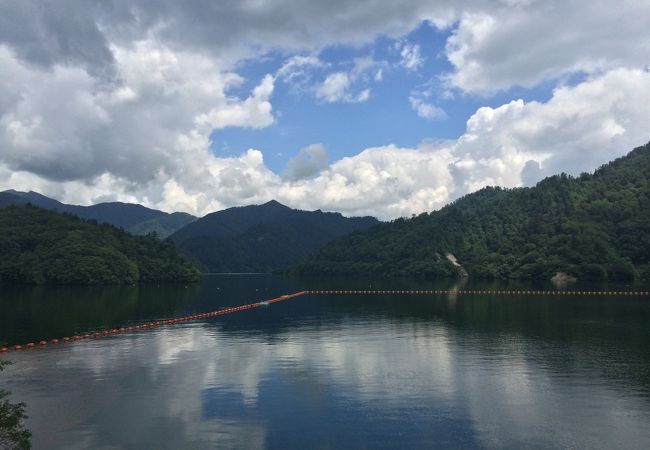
(496, 44)
(523, 44)
(167, 164)
(421, 101)
(128, 138)
(411, 57)
(577, 130)
(254, 112)
(363, 96)
(382, 181)
(120, 102)
(335, 87)
(342, 86)
(297, 70)
(426, 110)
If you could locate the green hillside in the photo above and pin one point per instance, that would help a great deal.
(596, 226)
(44, 247)
(135, 219)
(261, 238)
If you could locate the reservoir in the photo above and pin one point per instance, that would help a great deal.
(331, 371)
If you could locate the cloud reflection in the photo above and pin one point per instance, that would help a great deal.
(203, 384)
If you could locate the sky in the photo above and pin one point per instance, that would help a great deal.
(366, 107)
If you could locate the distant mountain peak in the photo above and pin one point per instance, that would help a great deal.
(132, 217)
(260, 238)
(275, 204)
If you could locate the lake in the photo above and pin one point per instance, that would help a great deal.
(319, 371)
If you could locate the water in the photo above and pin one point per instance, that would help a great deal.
(331, 371)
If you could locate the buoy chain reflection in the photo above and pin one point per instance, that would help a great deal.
(147, 325)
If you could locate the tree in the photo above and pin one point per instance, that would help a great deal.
(13, 434)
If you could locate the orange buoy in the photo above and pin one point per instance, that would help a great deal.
(17, 348)
(85, 336)
(43, 343)
(30, 345)
(66, 339)
(55, 341)
(4, 349)
(122, 330)
(76, 337)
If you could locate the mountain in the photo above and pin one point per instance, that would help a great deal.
(135, 219)
(38, 246)
(595, 226)
(17, 198)
(261, 238)
(163, 226)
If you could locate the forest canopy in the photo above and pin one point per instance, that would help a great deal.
(45, 247)
(595, 226)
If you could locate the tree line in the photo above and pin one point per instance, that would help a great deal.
(44, 247)
(594, 226)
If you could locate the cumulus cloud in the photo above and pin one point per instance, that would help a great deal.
(151, 127)
(49, 33)
(254, 112)
(307, 163)
(335, 88)
(576, 130)
(342, 86)
(495, 44)
(401, 180)
(531, 41)
(517, 143)
(118, 100)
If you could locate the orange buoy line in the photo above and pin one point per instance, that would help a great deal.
(149, 325)
(479, 292)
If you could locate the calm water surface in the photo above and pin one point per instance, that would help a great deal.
(331, 371)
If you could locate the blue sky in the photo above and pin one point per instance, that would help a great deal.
(369, 107)
(345, 128)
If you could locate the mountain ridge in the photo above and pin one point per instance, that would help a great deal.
(261, 238)
(135, 218)
(595, 226)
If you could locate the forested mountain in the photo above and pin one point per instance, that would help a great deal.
(135, 219)
(595, 226)
(44, 247)
(261, 238)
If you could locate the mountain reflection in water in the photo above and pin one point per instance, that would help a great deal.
(334, 371)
